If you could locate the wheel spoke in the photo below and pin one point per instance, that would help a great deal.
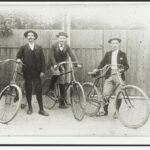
(49, 97)
(130, 112)
(92, 104)
(10, 100)
(76, 97)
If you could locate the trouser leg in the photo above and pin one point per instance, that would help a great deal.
(118, 104)
(28, 88)
(38, 91)
(108, 87)
(119, 100)
(62, 86)
(53, 81)
(62, 93)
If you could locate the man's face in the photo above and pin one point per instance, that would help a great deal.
(30, 37)
(62, 39)
(115, 45)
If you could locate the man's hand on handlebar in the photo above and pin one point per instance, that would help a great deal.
(79, 66)
(95, 71)
(121, 70)
(18, 60)
(42, 74)
(55, 67)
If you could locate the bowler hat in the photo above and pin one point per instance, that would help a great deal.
(62, 34)
(114, 39)
(30, 31)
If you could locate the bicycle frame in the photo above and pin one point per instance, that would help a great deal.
(68, 72)
(15, 72)
(102, 76)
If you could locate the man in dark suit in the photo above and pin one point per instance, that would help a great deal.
(59, 53)
(32, 56)
(114, 56)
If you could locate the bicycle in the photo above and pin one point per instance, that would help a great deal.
(132, 99)
(10, 96)
(50, 98)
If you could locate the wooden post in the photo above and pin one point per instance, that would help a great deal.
(66, 28)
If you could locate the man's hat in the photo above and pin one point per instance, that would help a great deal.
(62, 34)
(30, 31)
(114, 39)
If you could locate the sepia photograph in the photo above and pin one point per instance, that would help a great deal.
(74, 73)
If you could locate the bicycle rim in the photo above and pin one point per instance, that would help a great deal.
(10, 100)
(49, 97)
(92, 95)
(77, 97)
(134, 109)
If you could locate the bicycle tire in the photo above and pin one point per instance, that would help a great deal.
(92, 96)
(10, 100)
(77, 98)
(49, 97)
(133, 98)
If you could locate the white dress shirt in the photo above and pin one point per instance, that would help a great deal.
(61, 47)
(31, 46)
(114, 59)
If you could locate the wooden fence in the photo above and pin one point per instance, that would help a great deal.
(89, 46)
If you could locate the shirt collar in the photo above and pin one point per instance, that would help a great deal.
(61, 45)
(116, 51)
(31, 44)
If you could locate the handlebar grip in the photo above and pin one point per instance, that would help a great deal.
(20, 63)
(90, 73)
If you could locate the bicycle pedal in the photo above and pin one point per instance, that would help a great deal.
(106, 102)
(16, 99)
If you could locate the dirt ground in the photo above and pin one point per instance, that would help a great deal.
(61, 122)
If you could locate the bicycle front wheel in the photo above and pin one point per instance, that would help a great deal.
(77, 99)
(132, 106)
(10, 100)
(49, 97)
(92, 95)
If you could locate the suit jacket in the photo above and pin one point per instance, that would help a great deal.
(121, 59)
(24, 54)
(54, 54)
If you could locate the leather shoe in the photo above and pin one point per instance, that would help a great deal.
(102, 114)
(30, 111)
(44, 113)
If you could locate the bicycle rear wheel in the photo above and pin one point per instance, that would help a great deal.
(49, 97)
(77, 99)
(134, 106)
(10, 100)
(92, 95)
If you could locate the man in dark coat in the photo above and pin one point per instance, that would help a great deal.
(59, 53)
(32, 56)
(114, 56)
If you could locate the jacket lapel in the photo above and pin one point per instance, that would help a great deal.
(118, 57)
(35, 47)
(110, 57)
(28, 47)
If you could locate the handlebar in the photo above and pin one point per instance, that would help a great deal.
(13, 60)
(106, 68)
(67, 62)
